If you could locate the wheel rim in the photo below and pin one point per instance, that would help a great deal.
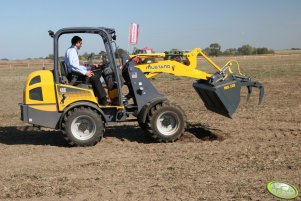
(83, 127)
(167, 123)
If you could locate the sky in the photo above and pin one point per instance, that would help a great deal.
(163, 24)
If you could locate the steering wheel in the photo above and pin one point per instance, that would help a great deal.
(100, 67)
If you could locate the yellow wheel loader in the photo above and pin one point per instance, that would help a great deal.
(52, 100)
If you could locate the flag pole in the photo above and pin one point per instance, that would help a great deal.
(128, 49)
(133, 34)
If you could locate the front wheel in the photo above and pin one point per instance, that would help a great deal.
(83, 127)
(166, 122)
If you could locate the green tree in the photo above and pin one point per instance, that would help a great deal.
(120, 52)
(50, 56)
(215, 49)
(264, 50)
(246, 50)
(230, 51)
(174, 50)
(102, 53)
(84, 56)
(206, 50)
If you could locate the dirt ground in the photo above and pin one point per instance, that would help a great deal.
(216, 159)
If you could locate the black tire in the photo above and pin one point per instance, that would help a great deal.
(143, 126)
(165, 122)
(83, 127)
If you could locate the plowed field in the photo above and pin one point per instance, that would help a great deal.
(216, 159)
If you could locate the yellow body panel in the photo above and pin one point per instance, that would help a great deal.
(53, 97)
(150, 55)
(50, 95)
(176, 68)
(44, 81)
(172, 67)
(68, 94)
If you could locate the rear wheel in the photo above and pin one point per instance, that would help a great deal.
(165, 122)
(83, 127)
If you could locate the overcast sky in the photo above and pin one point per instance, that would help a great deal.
(164, 24)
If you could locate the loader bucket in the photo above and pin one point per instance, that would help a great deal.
(219, 99)
(224, 97)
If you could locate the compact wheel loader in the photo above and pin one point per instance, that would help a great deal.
(54, 101)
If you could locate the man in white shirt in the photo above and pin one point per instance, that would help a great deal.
(83, 72)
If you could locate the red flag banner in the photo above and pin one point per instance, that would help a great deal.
(133, 39)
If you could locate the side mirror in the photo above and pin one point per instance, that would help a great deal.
(51, 33)
(114, 36)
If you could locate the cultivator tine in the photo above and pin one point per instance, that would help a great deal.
(250, 85)
(261, 94)
(250, 90)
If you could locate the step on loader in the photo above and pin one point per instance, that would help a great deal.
(54, 101)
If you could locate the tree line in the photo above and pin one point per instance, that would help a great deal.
(214, 49)
(87, 56)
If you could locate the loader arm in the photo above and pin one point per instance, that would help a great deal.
(174, 67)
(220, 91)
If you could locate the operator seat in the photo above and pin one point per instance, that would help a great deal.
(66, 77)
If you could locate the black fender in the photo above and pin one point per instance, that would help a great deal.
(145, 109)
(78, 104)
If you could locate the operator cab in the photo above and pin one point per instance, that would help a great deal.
(103, 55)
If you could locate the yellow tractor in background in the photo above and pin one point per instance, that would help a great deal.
(144, 51)
(51, 100)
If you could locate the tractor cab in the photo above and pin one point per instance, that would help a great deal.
(107, 36)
